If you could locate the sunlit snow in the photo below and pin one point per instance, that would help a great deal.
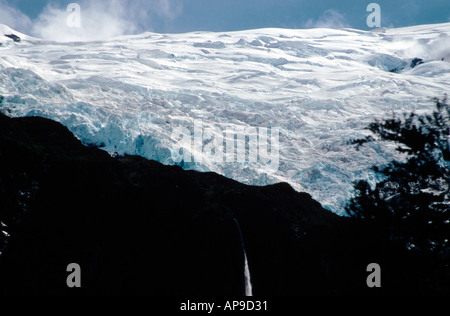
(320, 87)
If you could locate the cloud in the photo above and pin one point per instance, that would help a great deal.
(96, 22)
(14, 18)
(100, 19)
(329, 19)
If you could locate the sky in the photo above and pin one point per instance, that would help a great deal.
(105, 18)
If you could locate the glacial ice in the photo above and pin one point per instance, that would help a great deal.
(319, 87)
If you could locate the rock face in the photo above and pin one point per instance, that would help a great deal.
(138, 227)
(416, 61)
(14, 37)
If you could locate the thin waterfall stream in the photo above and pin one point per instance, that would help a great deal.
(247, 278)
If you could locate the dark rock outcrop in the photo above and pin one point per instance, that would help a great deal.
(416, 62)
(14, 37)
(138, 227)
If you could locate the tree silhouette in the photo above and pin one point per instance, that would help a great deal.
(411, 203)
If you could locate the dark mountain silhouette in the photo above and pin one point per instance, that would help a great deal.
(138, 227)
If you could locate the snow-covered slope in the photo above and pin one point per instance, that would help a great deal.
(319, 87)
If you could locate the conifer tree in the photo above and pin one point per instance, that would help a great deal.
(411, 203)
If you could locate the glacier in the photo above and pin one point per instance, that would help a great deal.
(318, 87)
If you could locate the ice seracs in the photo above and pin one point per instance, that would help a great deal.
(318, 87)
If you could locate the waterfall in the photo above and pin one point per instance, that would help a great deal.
(247, 279)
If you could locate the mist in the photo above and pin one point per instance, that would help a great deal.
(329, 19)
(92, 20)
(14, 18)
